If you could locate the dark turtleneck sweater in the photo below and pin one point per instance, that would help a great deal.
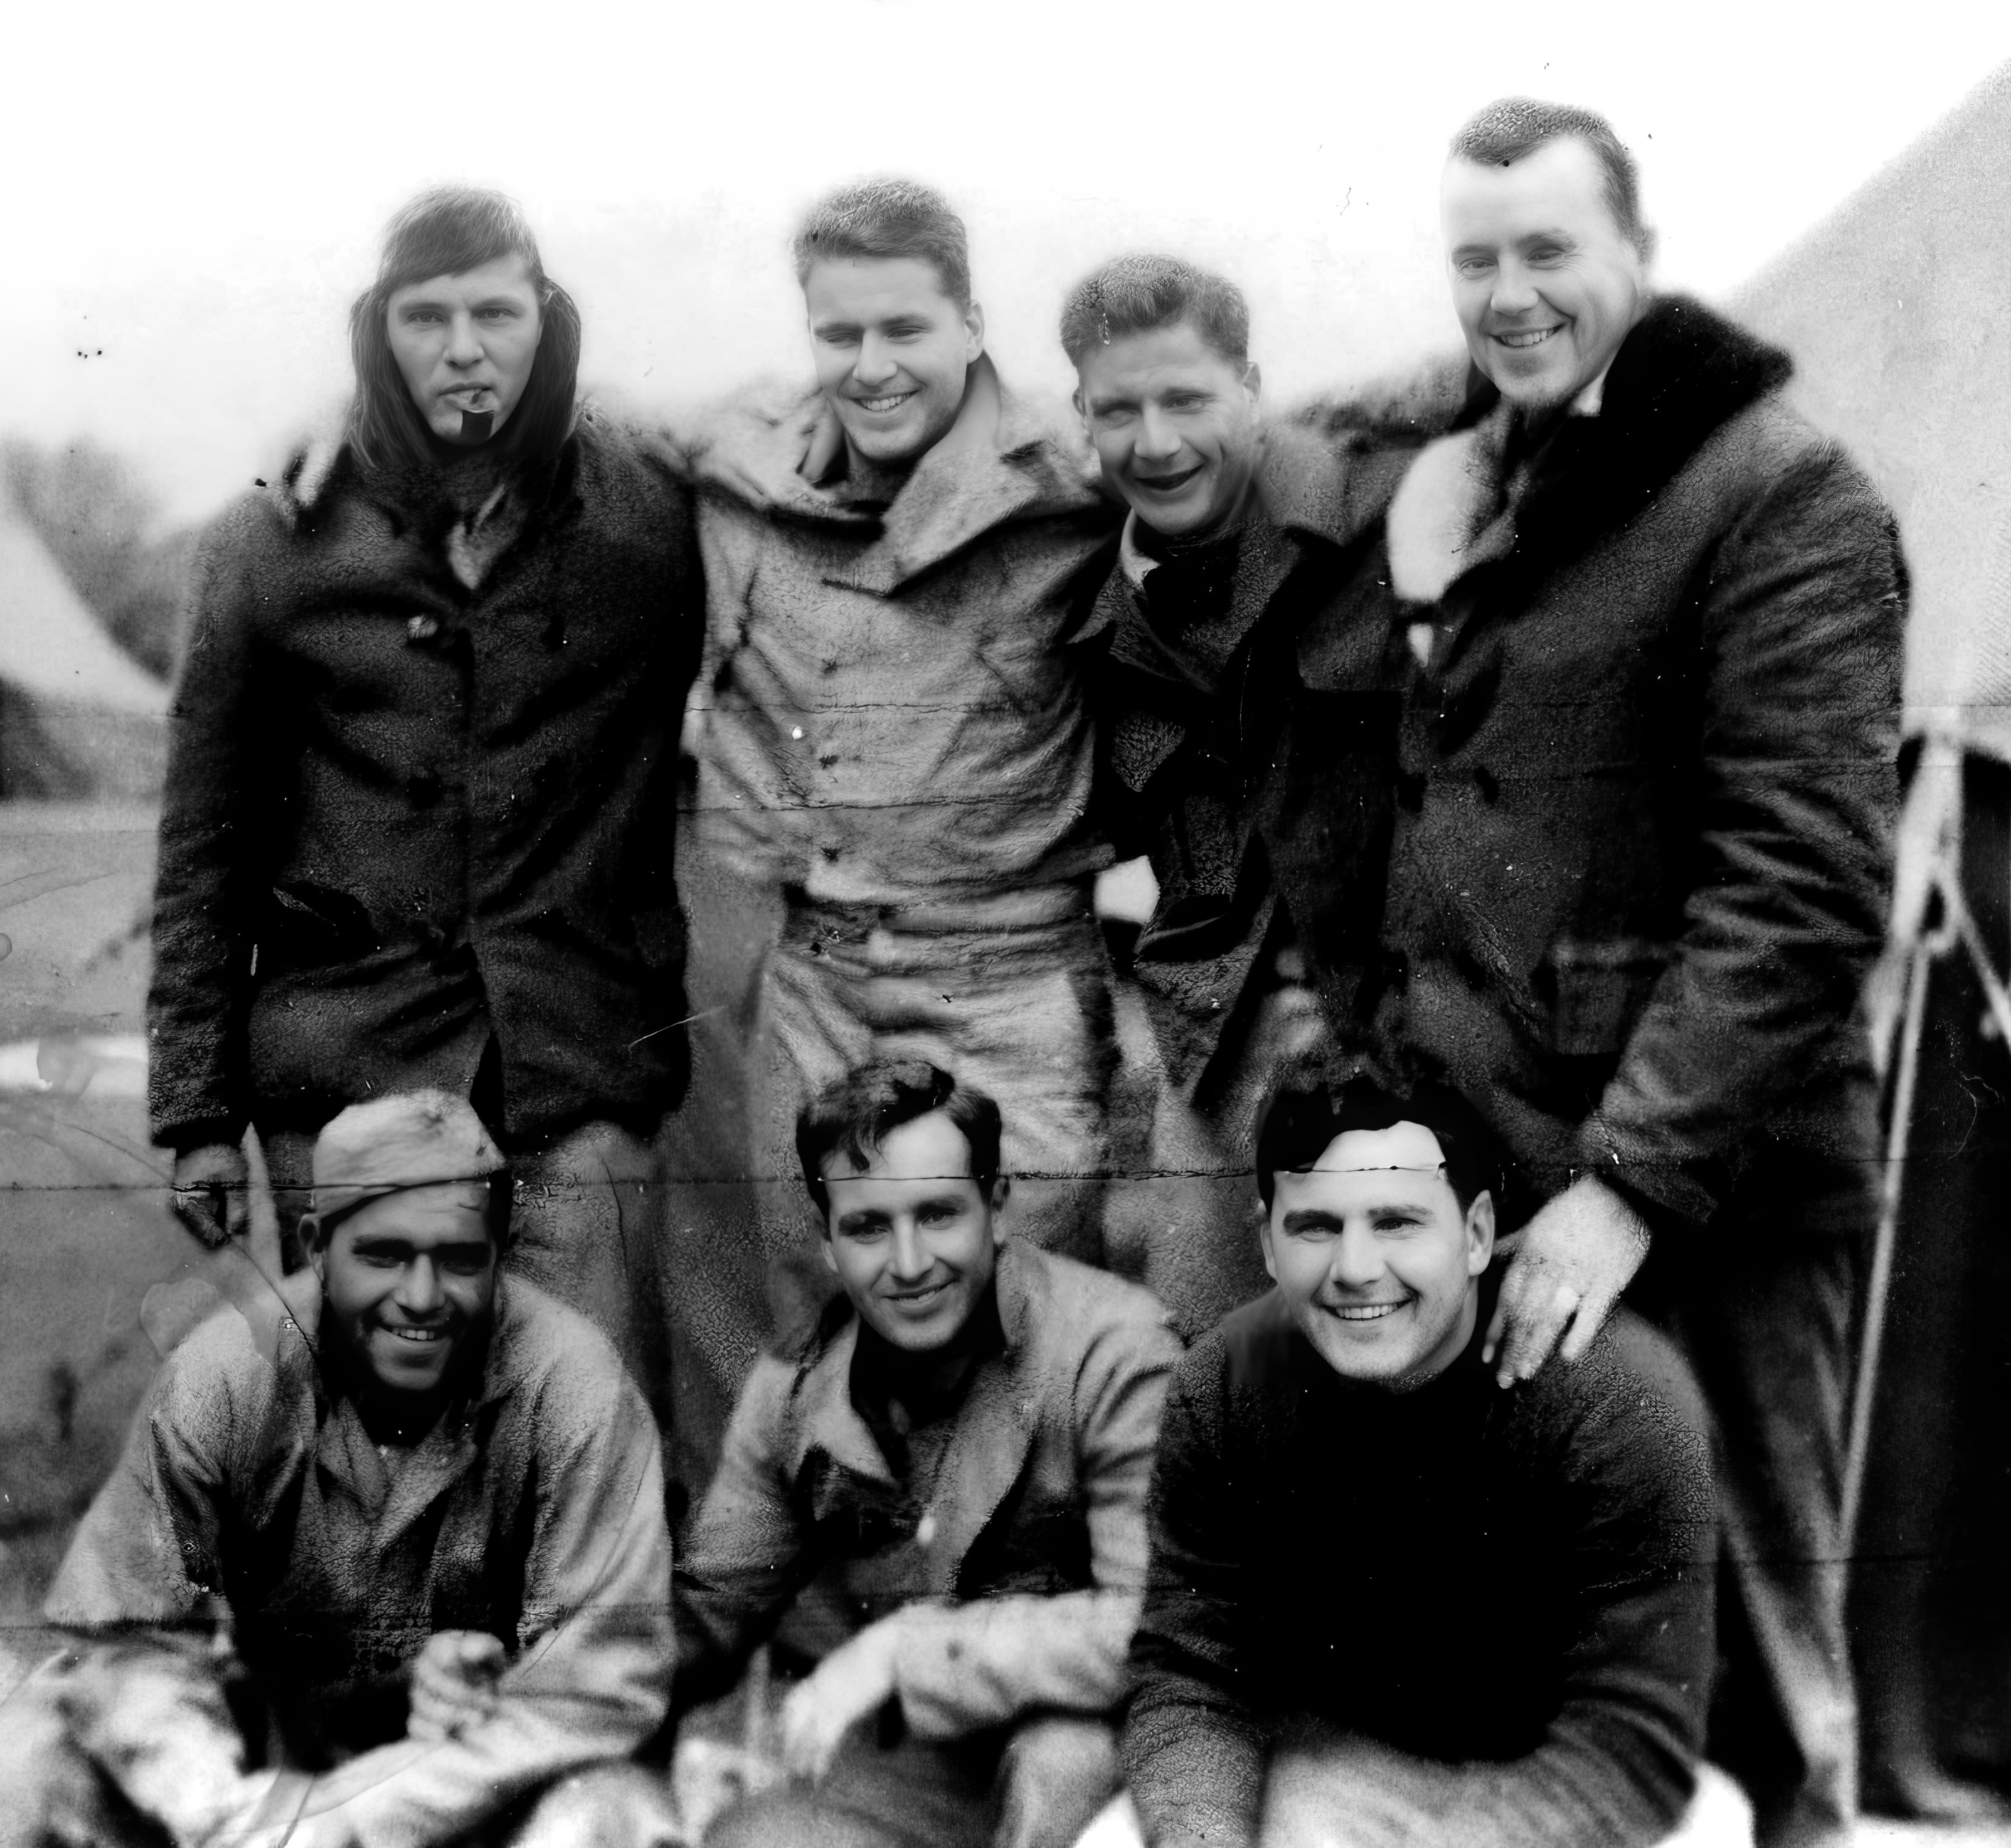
(1514, 1582)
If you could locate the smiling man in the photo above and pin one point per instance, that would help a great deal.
(1245, 732)
(1389, 1604)
(1646, 626)
(894, 751)
(427, 1503)
(956, 1461)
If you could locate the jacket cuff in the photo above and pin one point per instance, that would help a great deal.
(1669, 1192)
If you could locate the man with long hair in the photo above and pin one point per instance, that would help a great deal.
(418, 824)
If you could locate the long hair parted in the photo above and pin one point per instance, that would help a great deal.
(445, 231)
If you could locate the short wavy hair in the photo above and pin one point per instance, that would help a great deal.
(1136, 294)
(1303, 1117)
(448, 230)
(886, 218)
(853, 1116)
(1512, 126)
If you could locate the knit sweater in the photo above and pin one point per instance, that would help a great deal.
(1516, 1582)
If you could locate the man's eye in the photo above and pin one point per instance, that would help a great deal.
(1474, 265)
(936, 1216)
(464, 1264)
(499, 314)
(380, 1260)
(1111, 417)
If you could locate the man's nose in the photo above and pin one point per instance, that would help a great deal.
(1158, 440)
(1356, 1262)
(463, 346)
(876, 363)
(418, 1291)
(1514, 292)
(912, 1262)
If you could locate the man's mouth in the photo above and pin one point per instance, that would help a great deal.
(1167, 484)
(881, 406)
(1521, 338)
(1364, 1311)
(418, 1337)
(919, 1299)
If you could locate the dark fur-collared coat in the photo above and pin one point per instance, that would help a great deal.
(1645, 784)
(402, 813)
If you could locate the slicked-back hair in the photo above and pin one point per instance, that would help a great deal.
(1512, 126)
(1136, 294)
(886, 218)
(853, 1117)
(1301, 1119)
(448, 230)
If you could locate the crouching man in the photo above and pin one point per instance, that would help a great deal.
(427, 1503)
(955, 1465)
(1389, 1602)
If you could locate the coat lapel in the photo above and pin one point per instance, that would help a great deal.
(994, 1434)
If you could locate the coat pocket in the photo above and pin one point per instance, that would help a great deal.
(310, 926)
(1597, 988)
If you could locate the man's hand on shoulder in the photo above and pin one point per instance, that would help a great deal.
(454, 1684)
(854, 1681)
(1572, 1262)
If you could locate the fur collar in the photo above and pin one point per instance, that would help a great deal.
(1681, 375)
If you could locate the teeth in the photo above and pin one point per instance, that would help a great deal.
(1368, 1312)
(1534, 337)
(418, 1334)
(886, 404)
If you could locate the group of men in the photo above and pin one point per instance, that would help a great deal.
(1513, 751)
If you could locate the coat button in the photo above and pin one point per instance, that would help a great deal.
(422, 628)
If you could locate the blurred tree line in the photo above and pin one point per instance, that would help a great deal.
(99, 520)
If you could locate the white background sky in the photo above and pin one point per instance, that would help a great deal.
(192, 194)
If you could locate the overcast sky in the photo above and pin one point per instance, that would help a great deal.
(193, 193)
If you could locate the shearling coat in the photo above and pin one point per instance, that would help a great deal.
(1645, 782)
(889, 711)
(533, 1511)
(402, 814)
(1029, 1560)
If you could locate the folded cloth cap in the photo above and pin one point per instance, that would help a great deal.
(416, 1138)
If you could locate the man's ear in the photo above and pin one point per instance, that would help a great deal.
(1253, 381)
(825, 1246)
(1081, 409)
(1479, 1233)
(1264, 1241)
(313, 1242)
(973, 328)
(1001, 1191)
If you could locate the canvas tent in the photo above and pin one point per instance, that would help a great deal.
(78, 717)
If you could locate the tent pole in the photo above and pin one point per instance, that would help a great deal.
(1897, 1139)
